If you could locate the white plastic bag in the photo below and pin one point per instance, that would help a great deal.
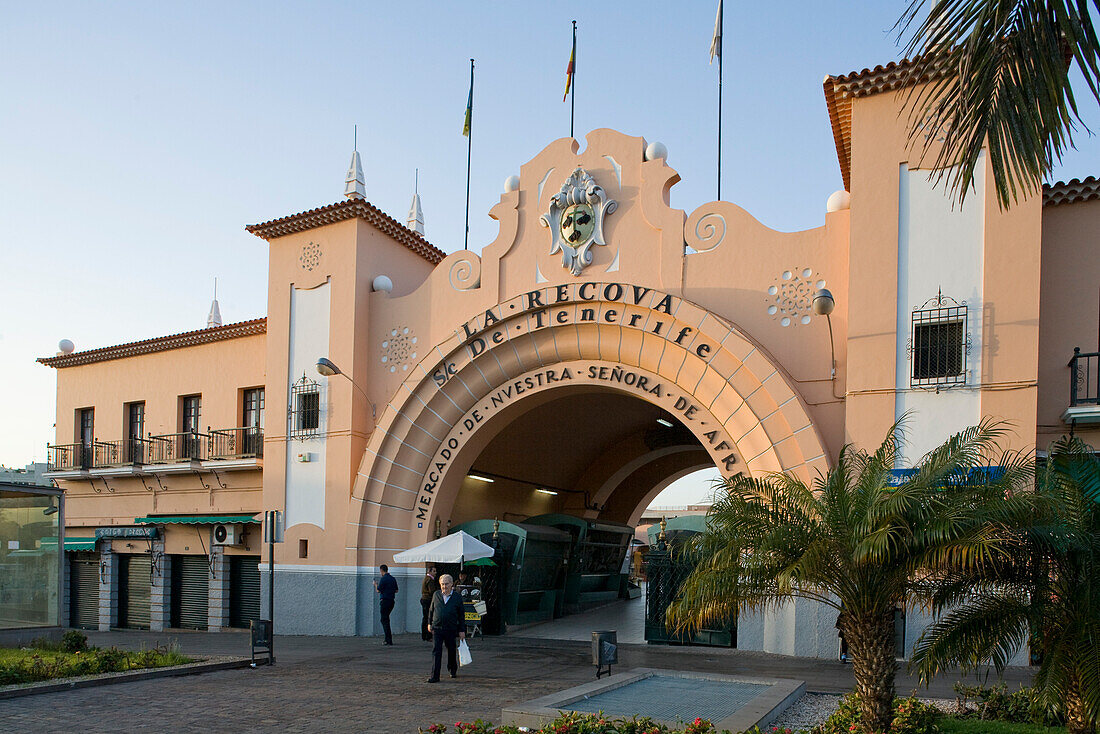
(464, 657)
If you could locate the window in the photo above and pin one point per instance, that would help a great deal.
(253, 408)
(190, 446)
(305, 408)
(309, 411)
(939, 343)
(252, 422)
(135, 430)
(191, 412)
(85, 426)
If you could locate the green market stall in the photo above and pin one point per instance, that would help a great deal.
(597, 550)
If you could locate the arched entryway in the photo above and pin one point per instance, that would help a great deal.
(712, 381)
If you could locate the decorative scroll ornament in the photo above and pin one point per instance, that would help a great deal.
(575, 220)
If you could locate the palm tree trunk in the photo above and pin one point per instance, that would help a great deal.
(871, 646)
(1077, 720)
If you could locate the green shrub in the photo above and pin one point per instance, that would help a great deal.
(30, 666)
(996, 703)
(74, 641)
(910, 717)
(111, 660)
(45, 644)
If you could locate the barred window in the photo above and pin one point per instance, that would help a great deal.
(305, 408)
(939, 343)
(309, 411)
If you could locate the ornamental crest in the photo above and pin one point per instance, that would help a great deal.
(575, 220)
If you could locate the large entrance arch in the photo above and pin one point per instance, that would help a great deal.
(720, 385)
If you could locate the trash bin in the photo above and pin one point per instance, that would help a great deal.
(605, 648)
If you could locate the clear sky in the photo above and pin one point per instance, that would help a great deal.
(137, 139)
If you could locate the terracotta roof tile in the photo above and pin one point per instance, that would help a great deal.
(841, 90)
(1071, 192)
(895, 75)
(349, 209)
(159, 344)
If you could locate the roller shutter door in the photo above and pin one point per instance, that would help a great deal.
(134, 580)
(190, 592)
(84, 590)
(244, 590)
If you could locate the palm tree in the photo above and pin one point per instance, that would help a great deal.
(856, 540)
(1051, 591)
(999, 78)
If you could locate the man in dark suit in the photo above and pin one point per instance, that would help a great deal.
(387, 590)
(448, 623)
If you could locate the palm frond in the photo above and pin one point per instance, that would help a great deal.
(984, 630)
(997, 77)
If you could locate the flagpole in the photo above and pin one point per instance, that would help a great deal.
(573, 82)
(469, 151)
(721, 22)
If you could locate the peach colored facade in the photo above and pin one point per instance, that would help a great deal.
(585, 381)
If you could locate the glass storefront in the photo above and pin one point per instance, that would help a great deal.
(30, 557)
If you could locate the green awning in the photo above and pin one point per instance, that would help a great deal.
(79, 544)
(194, 519)
(481, 562)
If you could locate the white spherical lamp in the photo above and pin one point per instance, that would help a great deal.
(382, 283)
(66, 346)
(838, 201)
(511, 184)
(656, 150)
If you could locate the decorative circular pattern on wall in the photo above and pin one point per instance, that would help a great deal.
(399, 349)
(790, 297)
(311, 256)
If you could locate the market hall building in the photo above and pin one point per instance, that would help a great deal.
(543, 392)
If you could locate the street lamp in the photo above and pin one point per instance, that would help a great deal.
(328, 368)
(823, 305)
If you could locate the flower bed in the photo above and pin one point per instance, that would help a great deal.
(46, 660)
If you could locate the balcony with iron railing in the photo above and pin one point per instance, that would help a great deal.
(236, 443)
(236, 448)
(1084, 388)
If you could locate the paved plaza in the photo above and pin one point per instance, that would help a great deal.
(359, 685)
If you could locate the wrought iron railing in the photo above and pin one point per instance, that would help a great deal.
(123, 452)
(1084, 378)
(68, 457)
(236, 443)
(170, 448)
(108, 453)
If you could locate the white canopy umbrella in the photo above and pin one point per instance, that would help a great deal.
(454, 548)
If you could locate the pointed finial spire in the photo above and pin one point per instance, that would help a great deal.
(354, 184)
(214, 318)
(415, 219)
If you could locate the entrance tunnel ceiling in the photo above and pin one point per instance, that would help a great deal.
(603, 452)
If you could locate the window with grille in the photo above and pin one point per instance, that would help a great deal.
(939, 343)
(305, 408)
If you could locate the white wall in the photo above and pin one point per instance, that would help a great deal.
(940, 246)
(309, 339)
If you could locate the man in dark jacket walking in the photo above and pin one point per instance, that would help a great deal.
(448, 623)
(387, 590)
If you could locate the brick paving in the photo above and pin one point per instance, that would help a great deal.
(359, 685)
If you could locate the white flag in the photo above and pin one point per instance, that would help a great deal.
(716, 42)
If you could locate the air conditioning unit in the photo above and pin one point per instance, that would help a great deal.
(227, 534)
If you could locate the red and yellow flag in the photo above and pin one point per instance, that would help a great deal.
(569, 71)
